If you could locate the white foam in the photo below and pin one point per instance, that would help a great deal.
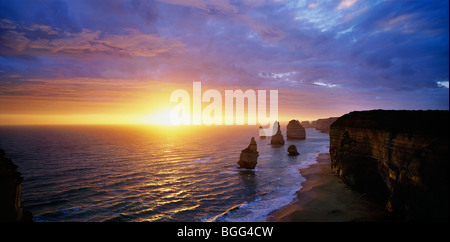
(258, 209)
(203, 160)
(264, 156)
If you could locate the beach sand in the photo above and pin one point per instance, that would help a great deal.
(325, 198)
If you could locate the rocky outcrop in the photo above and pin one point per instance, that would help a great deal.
(277, 139)
(11, 209)
(398, 158)
(249, 156)
(292, 150)
(295, 130)
(306, 124)
(323, 125)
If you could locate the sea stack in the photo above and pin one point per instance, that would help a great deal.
(292, 150)
(295, 130)
(277, 139)
(249, 156)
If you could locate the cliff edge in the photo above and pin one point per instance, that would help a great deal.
(11, 209)
(398, 158)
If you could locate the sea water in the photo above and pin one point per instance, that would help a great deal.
(146, 173)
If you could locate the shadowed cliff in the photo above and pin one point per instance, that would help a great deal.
(398, 158)
(11, 209)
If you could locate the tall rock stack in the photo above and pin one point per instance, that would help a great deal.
(11, 209)
(277, 139)
(295, 130)
(249, 156)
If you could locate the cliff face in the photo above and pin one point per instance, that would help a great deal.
(11, 209)
(399, 158)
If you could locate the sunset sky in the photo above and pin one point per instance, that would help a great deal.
(95, 61)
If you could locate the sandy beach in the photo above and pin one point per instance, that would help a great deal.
(325, 198)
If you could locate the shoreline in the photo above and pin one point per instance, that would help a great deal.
(323, 197)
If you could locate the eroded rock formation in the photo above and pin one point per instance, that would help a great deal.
(295, 130)
(292, 150)
(249, 156)
(277, 139)
(398, 158)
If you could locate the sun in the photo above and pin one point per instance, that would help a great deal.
(159, 117)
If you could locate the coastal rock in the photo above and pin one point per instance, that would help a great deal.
(398, 158)
(249, 156)
(277, 139)
(292, 150)
(11, 209)
(323, 125)
(306, 124)
(295, 130)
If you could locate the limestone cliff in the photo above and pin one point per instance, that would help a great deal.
(306, 124)
(11, 209)
(399, 158)
(323, 125)
(294, 130)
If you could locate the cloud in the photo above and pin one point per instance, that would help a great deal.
(7, 24)
(210, 7)
(346, 4)
(324, 84)
(443, 84)
(42, 28)
(312, 5)
(372, 48)
(87, 42)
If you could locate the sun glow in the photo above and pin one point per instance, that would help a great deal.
(159, 117)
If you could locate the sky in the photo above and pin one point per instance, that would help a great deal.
(95, 61)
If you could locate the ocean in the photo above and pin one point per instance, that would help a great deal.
(150, 173)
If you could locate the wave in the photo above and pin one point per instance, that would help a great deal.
(138, 182)
(258, 209)
(203, 160)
